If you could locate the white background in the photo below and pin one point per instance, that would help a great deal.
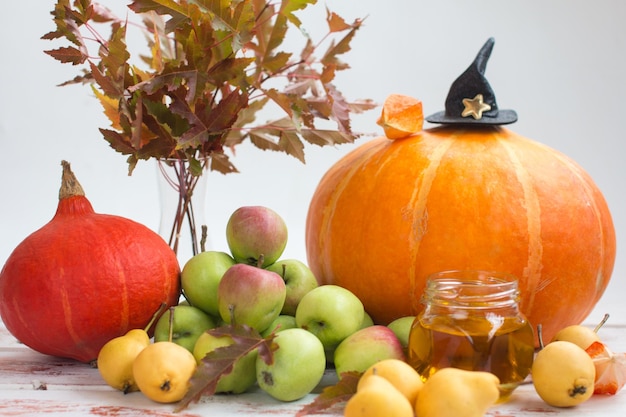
(559, 64)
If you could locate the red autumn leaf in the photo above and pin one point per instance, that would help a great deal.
(220, 361)
(68, 54)
(336, 23)
(334, 394)
(610, 369)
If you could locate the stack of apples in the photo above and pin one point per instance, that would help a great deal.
(313, 326)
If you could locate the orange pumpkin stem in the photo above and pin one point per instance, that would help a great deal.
(70, 186)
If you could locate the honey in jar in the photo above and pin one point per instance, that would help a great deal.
(471, 320)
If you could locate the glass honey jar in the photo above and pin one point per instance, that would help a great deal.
(471, 320)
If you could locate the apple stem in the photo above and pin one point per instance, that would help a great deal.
(154, 316)
(231, 312)
(540, 336)
(259, 262)
(604, 320)
(284, 271)
(170, 336)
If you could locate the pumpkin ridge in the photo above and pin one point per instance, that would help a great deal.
(418, 201)
(532, 271)
(602, 277)
(67, 315)
(124, 305)
(327, 218)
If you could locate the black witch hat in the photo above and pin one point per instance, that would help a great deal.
(471, 99)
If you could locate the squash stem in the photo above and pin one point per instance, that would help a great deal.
(70, 186)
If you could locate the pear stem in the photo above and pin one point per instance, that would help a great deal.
(154, 317)
(170, 336)
(604, 320)
(540, 336)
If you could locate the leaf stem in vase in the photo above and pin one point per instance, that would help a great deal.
(184, 183)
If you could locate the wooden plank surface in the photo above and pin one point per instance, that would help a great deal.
(32, 384)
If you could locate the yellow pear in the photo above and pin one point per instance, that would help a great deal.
(376, 397)
(563, 374)
(163, 370)
(115, 359)
(452, 392)
(399, 373)
(580, 335)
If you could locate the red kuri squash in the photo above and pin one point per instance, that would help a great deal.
(392, 212)
(85, 278)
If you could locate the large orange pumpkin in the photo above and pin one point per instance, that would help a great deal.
(392, 212)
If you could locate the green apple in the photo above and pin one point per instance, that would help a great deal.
(254, 233)
(298, 366)
(279, 324)
(364, 348)
(402, 328)
(188, 324)
(243, 375)
(367, 321)
(200, 277)
(298, 278)
(331, 313)
(250, 295)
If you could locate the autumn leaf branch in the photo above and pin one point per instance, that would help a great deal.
(208, 66)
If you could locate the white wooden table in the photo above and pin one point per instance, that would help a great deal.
(32, 384)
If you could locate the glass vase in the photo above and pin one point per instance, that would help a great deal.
(182, 198)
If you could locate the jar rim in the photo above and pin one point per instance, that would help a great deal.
(481, 275)
(471, 289)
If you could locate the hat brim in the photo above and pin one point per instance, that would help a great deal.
(503, 117)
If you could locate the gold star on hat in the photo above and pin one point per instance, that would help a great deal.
(475, 107)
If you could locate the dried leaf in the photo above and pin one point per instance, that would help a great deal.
(115, 56)
(341, 47)
(325, 137)
(221, 163)
(265, 139)
(169, 7)
(288, 7)
(283, 100)
(220, 361)
(336, 23)
(117, 141)
(68, 54)
(334, 394)
(340, 108)
(110, 107)
(108, 86)
(230, 69)
(290, 143)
